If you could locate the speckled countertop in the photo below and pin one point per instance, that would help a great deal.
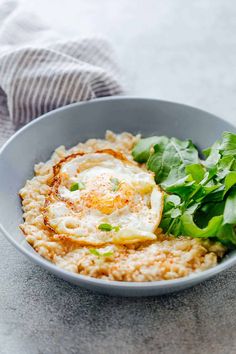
(177, 50)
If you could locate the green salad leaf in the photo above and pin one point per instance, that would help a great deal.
(170, 158)
(200, 195)
(230, 208)
(228, 144)
(142, 150)
(230, 181)
(189, 228)
(227, 235)
(196, 171)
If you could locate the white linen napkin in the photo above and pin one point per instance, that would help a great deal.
(39, 71)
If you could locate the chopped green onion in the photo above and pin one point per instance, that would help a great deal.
(108, 227)
(107, 254)
(99, 254)
(94, 252)
(81, 185)
(116, 184)
(77, 186)
(105, 227)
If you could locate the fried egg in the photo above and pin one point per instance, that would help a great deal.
(102, 197)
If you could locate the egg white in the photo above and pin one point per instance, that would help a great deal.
(134, 208)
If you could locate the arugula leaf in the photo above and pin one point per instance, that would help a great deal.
(222, 154)
(189, 228)
(230, 181)
(170, 158)
(230, 208)
(207, 211)
(225, 165)
(171, 201)
(182, 187)
(228, 144)
(212, 154)
(214, 193)
(225, 147)
(201, 195)
(141, 151)
(197, 172)
(227, 235)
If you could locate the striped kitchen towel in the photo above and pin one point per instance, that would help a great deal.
(40, 71)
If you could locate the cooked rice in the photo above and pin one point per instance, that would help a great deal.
(166, 258)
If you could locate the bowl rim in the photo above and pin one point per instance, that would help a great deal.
(78, 278)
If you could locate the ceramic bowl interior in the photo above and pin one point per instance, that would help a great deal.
(78, 122)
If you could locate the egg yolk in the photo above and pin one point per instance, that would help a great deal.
(106, 194)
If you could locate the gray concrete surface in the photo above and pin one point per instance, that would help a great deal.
(177, 50)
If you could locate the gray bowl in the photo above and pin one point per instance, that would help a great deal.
(78, 122)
